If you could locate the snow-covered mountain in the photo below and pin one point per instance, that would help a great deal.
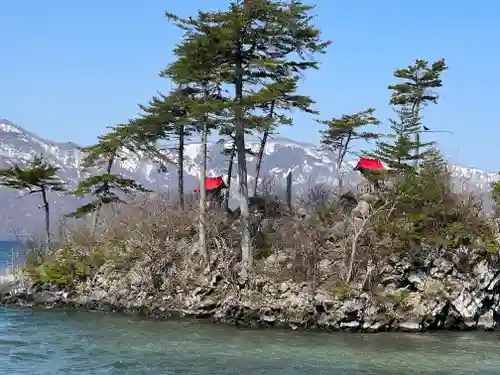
(308, 164)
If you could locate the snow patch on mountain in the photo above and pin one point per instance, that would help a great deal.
(8, 128)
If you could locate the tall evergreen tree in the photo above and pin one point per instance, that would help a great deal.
(106, 187)
(166, 118)
(38, 177)
(342, 132)
(408, 98)
(415, 91)
(284, 98)
(196, 67)
(399, 154)
(423, 195)
(250, 45)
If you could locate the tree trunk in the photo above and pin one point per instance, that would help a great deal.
(229, 177)
(350, 270)
(259, 161)
(416, 113)
(354, 248)
(47, 214)
(180, 172)
(203, 189)
(340, 186)
(97, 211)
(262, 148)
(95, 218)
(289, 190)
(239, 140)
(417, 148)
(340, 161)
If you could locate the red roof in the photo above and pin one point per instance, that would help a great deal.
(365, 163)
(211, 183)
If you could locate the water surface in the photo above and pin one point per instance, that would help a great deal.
(10, 256)
(58, 342)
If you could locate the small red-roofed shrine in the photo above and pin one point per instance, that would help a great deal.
(212, 183)
(368, 164)
(214, 187)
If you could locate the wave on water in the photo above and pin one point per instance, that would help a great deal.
(9, 260)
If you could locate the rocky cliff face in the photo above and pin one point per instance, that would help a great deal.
(308, 164)
(440, 292)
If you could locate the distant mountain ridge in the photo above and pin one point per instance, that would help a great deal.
(308, 164)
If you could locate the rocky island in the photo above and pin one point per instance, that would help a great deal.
(411, 253)
(433, 287)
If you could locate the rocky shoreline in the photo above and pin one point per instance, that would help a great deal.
(435, 295)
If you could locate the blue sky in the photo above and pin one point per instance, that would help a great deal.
(69, 69)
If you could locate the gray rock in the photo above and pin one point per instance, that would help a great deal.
(268, 318)
(486, 321)
(410, 326)
(361, 210)
(352, 324)
(373, 327)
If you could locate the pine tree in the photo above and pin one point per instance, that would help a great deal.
(422, 196)
(106, 187)
(249, 46)
(435, 174)
(38, 177)
(400, 153)
(415, 91)
(196, 67)
(344, 131)
(433, 166)
(284, 98)
(407, 99)
(166, 118)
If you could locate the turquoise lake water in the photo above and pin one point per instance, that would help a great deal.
(55, 342)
